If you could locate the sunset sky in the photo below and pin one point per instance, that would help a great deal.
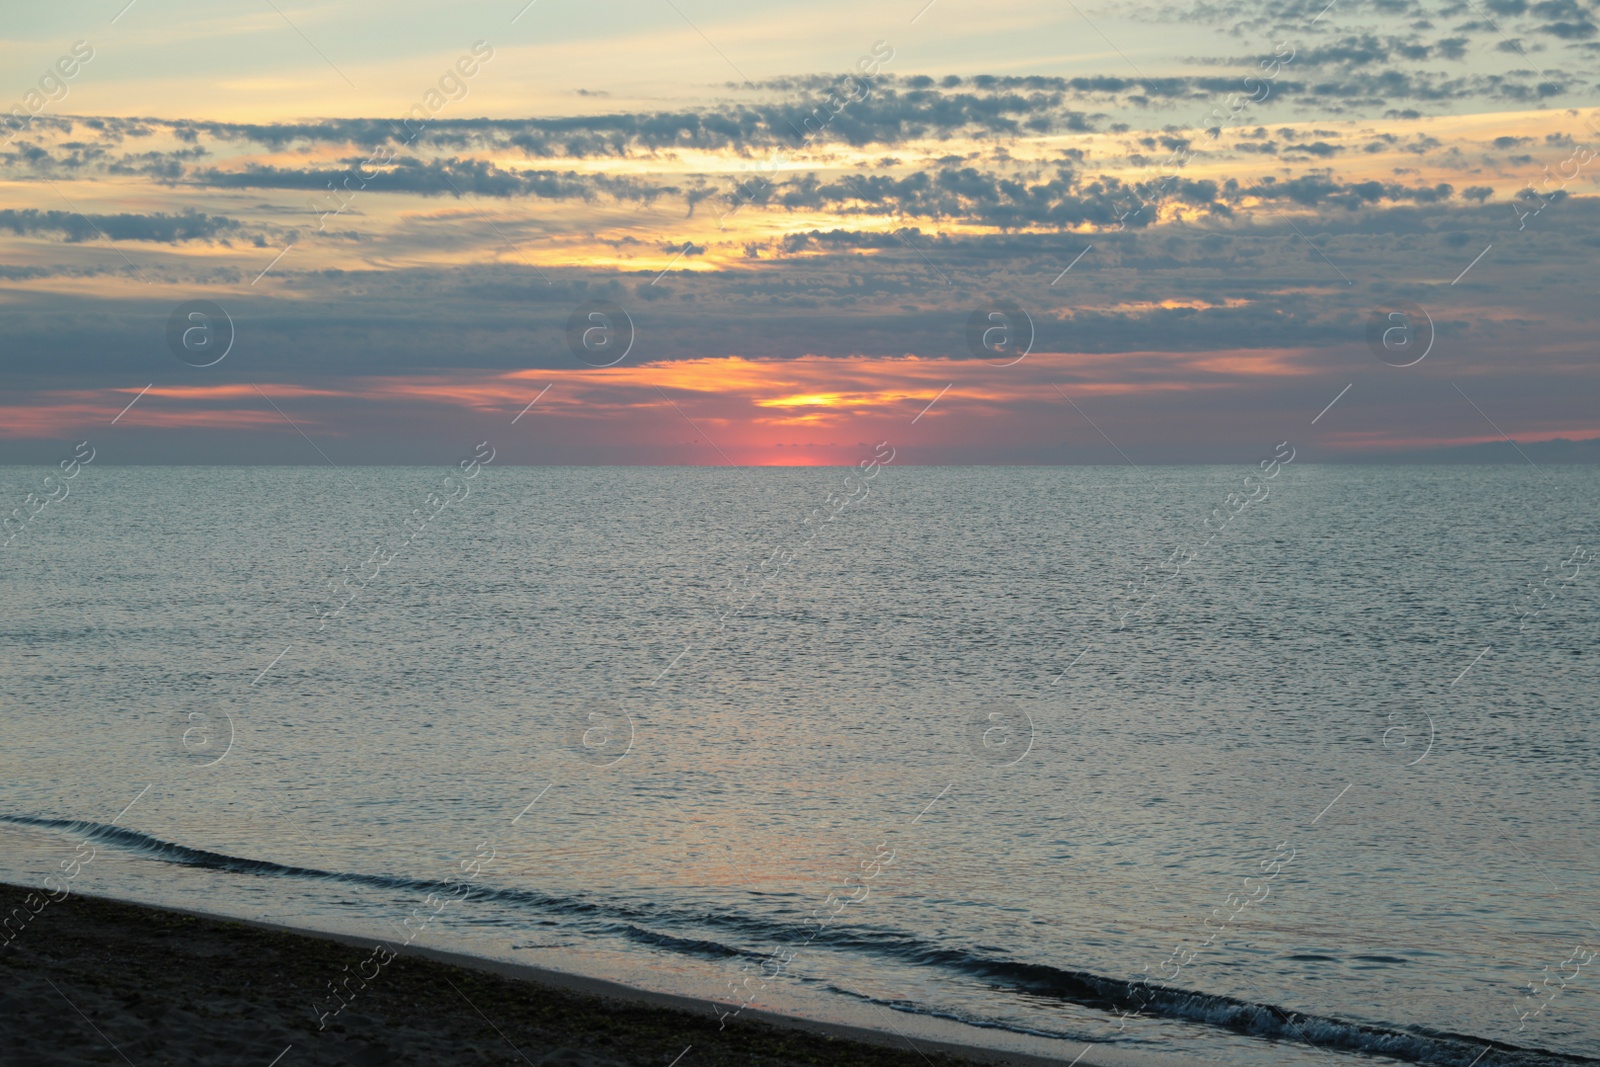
(801, 208)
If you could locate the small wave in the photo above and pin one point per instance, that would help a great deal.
(155, 848)
(141, 844)
(1268, 1021)
(689, 946)
(603, 916)
(1411, 1044)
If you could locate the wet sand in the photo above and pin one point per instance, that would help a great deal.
(92, 981)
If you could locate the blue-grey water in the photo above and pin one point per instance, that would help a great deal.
(978, 758)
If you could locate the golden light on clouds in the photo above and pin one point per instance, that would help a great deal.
(825, 297)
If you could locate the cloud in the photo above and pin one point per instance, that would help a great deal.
(835, 301)
(170, 229)
(1323, 192)
(1321, 149)
(440, 177)
(1568, 31)
(887, 114)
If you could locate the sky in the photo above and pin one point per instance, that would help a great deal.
(706, 232)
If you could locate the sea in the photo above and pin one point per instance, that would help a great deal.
(1274, 763)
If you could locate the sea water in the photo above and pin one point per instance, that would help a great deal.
(1158, 762)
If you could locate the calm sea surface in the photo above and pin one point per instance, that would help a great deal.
(1030, 757)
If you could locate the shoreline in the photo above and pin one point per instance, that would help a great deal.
(126, 951)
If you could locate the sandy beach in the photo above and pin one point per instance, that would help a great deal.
(93, 981)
